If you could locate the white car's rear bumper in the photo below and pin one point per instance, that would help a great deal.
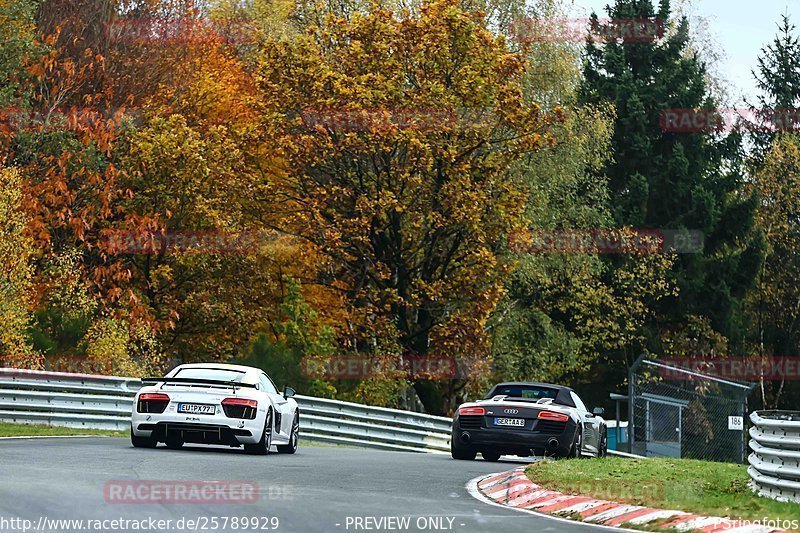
(205, 429)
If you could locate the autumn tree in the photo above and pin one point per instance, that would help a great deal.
(72, 142)
(774, 305)
(396, 133)
(17, 20)
(17, 296)
(184, 182)
(17, 252)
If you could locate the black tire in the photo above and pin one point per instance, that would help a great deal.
(492, 456)
(602, 450)
(575, 451)
(459, 452)
(142, 442)
(262, 446)
(293, 437)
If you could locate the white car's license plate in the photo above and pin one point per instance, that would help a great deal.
(196, 408)
(512, 422)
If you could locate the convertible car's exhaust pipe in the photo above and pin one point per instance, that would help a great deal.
(552, 443)
(465, 437)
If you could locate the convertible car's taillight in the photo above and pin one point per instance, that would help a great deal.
(239, 408)
(472, 411)
(550, 415)
(152, 402)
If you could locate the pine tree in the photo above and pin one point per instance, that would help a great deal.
(778, 80)
(668, 180)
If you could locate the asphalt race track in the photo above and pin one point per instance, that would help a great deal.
(320, 489)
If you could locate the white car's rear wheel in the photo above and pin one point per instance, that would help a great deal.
(293, 437)
(262, 446)
(142, 442)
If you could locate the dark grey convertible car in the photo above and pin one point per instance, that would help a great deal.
(528, 419)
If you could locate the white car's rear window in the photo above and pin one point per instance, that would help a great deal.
(209, 373)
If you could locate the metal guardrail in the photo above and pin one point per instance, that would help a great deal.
(100, 402)
(104, 402)
(775, 461)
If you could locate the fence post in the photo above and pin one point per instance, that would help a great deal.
(632, 400)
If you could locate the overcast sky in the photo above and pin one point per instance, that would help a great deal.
(740, 27)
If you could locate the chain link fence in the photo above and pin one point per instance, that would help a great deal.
(675, 412)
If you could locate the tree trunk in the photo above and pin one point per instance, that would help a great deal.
(430, 396)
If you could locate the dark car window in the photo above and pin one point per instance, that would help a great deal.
(525, 391)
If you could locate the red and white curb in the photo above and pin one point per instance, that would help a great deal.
(513, 489)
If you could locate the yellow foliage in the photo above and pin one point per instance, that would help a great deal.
(16, 286)
(123, 348)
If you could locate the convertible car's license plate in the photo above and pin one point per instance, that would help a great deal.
(196, 408)
(512, 422)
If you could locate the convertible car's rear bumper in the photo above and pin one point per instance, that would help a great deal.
(514, 441)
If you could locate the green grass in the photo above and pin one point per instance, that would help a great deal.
(30, 430)
(713, 489)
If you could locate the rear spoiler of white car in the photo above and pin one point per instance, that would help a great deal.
(199, 381)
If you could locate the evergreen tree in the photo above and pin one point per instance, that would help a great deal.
(668, 180)
(778, 80)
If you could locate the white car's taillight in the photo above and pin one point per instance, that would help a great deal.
(152, 402)
(240, 408)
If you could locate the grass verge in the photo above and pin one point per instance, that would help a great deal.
(37, 430)
(31, 430)
(702, 487)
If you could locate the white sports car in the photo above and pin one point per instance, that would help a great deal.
(215, 403)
